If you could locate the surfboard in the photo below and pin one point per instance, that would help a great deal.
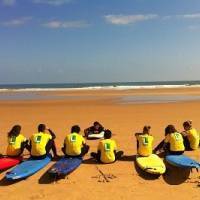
(182, 161)
(152, 164)
(96, 136)
(65, 166)
(27, 168)
(8, 162)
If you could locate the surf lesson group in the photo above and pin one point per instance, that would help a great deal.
(74, 148)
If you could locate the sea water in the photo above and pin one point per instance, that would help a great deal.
(33, 91)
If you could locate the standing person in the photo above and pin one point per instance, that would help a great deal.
(16, 142)
(173, 143)
(42, 142)
(107, 150)
(144, 142)
(95, 129)
(190, 136)
(74, 143)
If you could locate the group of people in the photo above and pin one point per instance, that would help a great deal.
(41, 143)
(174, 143)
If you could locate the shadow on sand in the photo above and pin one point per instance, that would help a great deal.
(175, 175)
(5, 182)
(46, 178)
(129, 158)
(90, 161)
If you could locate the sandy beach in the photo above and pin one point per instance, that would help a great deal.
(124, 118)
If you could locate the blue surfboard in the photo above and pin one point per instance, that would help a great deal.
(27, 168)
(182, 161)
(65, 166)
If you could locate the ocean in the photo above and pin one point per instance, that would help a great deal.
(96, 86)
(35, 91)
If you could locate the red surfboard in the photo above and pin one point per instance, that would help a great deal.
(7, 162)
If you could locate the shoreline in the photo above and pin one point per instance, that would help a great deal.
(131, 96)
(93, 88)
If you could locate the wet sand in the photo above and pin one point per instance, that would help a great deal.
(126, 181)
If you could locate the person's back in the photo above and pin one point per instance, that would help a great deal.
(175, 141)
(190, 135)
(144, 142)
(38, 143)
(16, 142)
(41, 143)
(107, 147)
(74, 143)
(193, 137)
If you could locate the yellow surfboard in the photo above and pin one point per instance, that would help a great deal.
(152, 164)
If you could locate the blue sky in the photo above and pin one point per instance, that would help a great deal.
(45, 41)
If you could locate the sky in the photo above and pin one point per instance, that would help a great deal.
(73, 41)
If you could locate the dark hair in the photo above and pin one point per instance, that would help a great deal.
(107, 134)
(41, 127)
(146, 129)
(75, 129)
(170, 129)
(96, 123)
(187, 124)
(15, 131)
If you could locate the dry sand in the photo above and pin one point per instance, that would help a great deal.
(126, 181)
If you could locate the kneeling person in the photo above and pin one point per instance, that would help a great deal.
(74, 144)
(107, 149)
(41, 143)
(97, 128)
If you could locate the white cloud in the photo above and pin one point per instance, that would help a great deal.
(183, 16)
(128, 19)
(56, 24)
(53, 2)
(16, 22)
(8, 2)
(190, 16)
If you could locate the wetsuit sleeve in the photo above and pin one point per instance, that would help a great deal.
(167, 138)
(52, 134)
(29, 146)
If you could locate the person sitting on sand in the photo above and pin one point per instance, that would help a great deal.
(42, 142)
(173, 143)
(97, 128)
(144, 142)
(190, 136)
(107, 150)
(16, 142)
(74, 144)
